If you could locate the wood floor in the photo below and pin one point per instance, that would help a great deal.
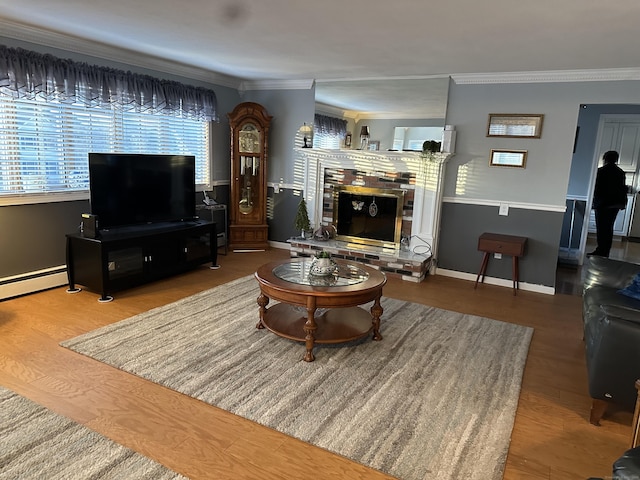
(552, 438)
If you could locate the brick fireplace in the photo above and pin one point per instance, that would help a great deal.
(419, 178)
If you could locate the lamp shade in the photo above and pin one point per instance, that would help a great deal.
(364, 131)
(307, 133)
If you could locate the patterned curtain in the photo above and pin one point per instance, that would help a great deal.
(324, 124)
(30, 75)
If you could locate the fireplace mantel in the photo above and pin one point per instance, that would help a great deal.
(429, 174)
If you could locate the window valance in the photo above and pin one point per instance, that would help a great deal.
(329, 125)
(29, 75)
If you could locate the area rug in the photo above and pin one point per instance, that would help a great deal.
(36, 443)
(435, 399)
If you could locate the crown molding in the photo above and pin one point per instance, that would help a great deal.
(49, 38)
(333, 110)
(273, 84)
(602, 75)
(53, 39)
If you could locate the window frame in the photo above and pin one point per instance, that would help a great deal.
(119, 118)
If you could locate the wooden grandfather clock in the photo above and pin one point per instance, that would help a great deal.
(248, 227)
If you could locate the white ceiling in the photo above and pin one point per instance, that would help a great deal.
(404, 45)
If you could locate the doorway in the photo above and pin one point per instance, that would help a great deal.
(599, 128)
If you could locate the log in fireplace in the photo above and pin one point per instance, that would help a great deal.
(368, 215)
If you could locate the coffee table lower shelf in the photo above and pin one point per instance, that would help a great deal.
(337, 325)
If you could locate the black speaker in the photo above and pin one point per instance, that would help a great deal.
(89, 226)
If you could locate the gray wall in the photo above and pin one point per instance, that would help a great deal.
(537, 192)
(463, 224)
(289, 109)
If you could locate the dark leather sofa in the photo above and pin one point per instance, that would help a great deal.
(611, 335)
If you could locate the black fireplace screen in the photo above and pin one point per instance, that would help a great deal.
(368, 215)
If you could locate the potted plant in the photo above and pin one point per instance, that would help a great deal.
(429, 149)
(301, 222)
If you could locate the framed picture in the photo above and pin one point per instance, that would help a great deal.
(515, 125)
(508, 158)
(347, 140)
(374, 145)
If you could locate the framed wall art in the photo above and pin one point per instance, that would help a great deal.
(508, 158)
(515, 125)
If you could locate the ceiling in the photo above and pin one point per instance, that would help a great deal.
(375, 57)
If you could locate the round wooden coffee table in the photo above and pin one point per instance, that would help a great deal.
(320, 309)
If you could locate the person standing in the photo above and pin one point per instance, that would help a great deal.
(609, 197)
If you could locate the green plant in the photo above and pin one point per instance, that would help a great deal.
(323, 254)
(429, 150)
(301, 221)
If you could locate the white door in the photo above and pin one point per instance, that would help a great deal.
(620, 133)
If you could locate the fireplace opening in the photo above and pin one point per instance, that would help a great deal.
(368, 216)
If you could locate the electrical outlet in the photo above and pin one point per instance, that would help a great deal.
(497, 255)
(504, 209)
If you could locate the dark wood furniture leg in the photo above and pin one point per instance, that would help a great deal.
(515, 274)
(310, 328)
(598, 409)
(483, 268)
(376, 313)
(263, 301)
(70, 270)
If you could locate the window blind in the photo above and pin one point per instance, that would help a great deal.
(44, 146)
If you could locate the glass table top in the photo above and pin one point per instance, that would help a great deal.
(298, 272)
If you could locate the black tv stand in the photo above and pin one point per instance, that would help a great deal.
(130, 256)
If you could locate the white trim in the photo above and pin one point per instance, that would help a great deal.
(497, 203)
(23, 284)
(43, 198)
(501, 282)
(368, 79)
(280, 245)
(603, 75)
(217, 183)
(332, 110)
(288, 186)
(304, 84)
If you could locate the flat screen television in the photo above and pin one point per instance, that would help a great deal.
(136, 189)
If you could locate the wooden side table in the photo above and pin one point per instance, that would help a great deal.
(490, 243)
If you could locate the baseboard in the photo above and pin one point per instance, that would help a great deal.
(501, 282)
(32, 282)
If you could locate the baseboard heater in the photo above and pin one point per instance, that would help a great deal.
(32, 282)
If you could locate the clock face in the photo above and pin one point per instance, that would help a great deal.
(249, 139)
